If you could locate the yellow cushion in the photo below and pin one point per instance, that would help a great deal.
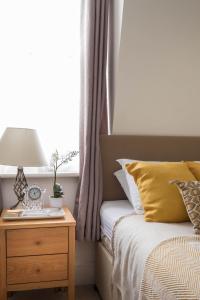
(194, 167)
(161, 200)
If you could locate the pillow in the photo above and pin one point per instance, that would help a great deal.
(133, 192)
(161, 201)
(121, 177)
(190, 192)
(194, 167)
(124, 161)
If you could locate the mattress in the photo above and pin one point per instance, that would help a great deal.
(110, 212)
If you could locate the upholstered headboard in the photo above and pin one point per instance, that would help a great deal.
(158, 148)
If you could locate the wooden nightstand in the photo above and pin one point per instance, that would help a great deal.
(37, 254)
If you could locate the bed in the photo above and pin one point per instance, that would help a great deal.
(150, 148)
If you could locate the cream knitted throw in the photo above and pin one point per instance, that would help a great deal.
(136, 244)
(172, 270)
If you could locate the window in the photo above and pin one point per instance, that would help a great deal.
(39, 69)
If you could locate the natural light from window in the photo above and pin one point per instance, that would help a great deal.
(39, 69)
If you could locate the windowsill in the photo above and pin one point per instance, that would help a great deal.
(41, 175)
(44, 172)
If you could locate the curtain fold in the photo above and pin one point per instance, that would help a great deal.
(93, 114)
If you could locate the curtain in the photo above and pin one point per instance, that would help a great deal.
(95, 80)
(1, 200)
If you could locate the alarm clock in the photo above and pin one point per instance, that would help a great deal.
(34, 192)
(34, 197)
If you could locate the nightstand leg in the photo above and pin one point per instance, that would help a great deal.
(3, 290)
(71, 287)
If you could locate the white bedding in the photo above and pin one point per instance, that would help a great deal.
(110, 212)
(133, 241)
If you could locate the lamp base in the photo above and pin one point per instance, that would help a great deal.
(19, 186)
(16, 205)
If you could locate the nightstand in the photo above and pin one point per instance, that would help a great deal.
(37, 254)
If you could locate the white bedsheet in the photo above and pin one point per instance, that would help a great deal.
(110, 212)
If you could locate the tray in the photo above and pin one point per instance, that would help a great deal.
(45, 213)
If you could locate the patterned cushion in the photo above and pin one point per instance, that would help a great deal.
(190, 192)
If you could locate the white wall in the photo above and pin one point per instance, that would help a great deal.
(117, 6)
(118, 15)
(158, 80)
(84, 250)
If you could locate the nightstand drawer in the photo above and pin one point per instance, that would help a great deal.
(23, 242)
(37, 268)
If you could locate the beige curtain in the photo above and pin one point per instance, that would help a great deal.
(95, 80)
(1, 200)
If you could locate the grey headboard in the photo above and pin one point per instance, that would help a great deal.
(158, 148)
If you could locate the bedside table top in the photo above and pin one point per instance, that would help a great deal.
(68, 220)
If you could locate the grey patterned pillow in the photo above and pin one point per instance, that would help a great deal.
(190, 192)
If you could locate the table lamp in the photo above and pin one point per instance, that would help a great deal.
(21, 147)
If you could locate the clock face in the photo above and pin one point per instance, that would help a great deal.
(34, 193)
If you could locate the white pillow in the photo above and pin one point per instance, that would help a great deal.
(129, 186)
(134, 195)
(121, 177)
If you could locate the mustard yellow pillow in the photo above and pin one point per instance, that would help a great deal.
(194, 167)
(161, 200)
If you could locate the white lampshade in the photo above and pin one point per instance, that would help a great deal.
(21, 147)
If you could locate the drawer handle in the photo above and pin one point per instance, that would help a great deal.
(38, 243)
(37, 270)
